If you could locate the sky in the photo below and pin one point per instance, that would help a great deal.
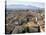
(25, 2)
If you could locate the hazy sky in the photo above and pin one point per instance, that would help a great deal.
(25, 2)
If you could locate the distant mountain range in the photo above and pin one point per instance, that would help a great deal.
(11, 7)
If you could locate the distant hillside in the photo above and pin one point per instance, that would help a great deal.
(21, 7)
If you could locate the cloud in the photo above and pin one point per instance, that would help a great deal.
(25, 2)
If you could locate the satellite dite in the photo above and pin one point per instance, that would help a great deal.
(24, 17)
